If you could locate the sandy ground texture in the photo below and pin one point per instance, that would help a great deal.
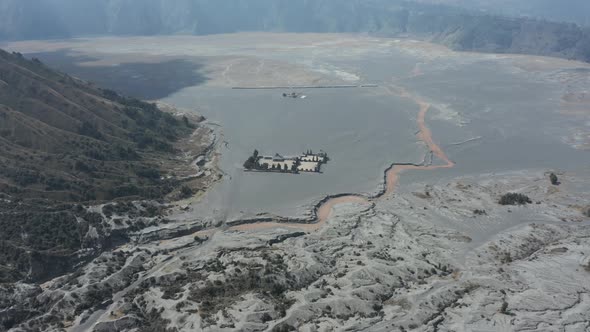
(435, 257)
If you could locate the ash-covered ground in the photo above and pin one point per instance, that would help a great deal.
(442, 257)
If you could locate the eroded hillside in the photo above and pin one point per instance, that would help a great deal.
(66, 144)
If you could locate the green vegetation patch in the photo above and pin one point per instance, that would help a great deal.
(514, 199)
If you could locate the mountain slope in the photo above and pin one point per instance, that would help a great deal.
(63, 143)
(67, 140)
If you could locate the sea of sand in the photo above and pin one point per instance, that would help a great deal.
(488, 113)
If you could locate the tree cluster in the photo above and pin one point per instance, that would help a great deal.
(252, 161)
(554, 180)
(514, 199)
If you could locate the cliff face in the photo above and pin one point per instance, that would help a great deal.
(573, 11)
(511, 35)
(457, 28)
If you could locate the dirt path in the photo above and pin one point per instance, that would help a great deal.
(391, 179)
(424, 135)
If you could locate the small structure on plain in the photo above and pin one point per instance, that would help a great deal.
(305, 162)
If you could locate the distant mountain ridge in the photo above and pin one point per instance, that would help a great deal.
(455, 27)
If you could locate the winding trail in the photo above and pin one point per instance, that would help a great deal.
(424, 135)
(324, 209)
(323, 212)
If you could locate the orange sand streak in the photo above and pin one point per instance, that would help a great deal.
(326, 209)
(323, 214)
(424, 135)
